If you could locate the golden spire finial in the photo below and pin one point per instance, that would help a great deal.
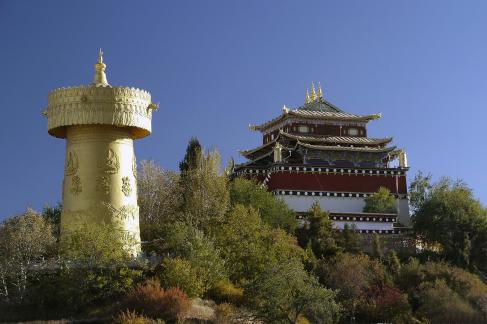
(307, 99)
(313, 92)
(320, 92)
(100, 79)
(100, 56)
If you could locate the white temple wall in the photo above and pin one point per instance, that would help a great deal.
(341, 205)
(377, 226)
(331, 204)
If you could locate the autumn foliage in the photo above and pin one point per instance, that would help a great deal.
(149, 299)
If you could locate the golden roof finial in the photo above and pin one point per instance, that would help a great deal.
(313, 92)
(100, 56)
(100, 79)
(307, 99)
(320, 92)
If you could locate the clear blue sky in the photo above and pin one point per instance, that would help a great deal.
(216, 66)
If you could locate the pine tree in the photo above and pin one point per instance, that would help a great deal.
(350, 239)
(321, 232)
(192, 159)
(377, 249)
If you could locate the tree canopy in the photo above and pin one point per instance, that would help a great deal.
(380, 202)
(452, 221)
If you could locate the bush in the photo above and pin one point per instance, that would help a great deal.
(151, 300)
(272, 210)
(440, 304)
(188, 243)
(179, 273)
(226, 292)
(176, 304)
(224, 313)
(380, 202)
(128, 317)
(466, 285)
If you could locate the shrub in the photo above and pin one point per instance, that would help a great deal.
(176, 304)
(226, 292)
(224, 313)
(129, 317)
(179, 273)
(187, 242)
(272, 210)
(440, 304)
(380, 202)
(151, 300)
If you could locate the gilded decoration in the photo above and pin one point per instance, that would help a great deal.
(75, 185)
(104, 105)
(126, 187)
(124, 213)
(115, 215)
(103, 185)
(134, 166)
(71, 163)
(110, 163)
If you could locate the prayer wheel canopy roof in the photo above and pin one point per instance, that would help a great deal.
(99, 104)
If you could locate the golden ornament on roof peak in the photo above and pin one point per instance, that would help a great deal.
(100, 79)
(314, 96)
(307, 99)
(320, 91)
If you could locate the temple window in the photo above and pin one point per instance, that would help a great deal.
(352, 131)
(303, 129)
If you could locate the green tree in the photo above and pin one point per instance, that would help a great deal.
(205, 191)
(467, 286)
(286, 293)
(192, 158)
(440, 304)
(184, 241)
(53, 215)
(249, 246)
(159, 198)
(349, 239)
(273, 211)
(393, 263)
(96, 267)
(419, 190)
(377, 248)
(353, 275)
(380, 202)
(321, 232)
(452, 221)
(179, 273)
(25, 242)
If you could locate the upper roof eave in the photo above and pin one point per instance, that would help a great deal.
(321, 115)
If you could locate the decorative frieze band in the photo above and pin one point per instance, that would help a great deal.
(394, 231)
(391, 219)
(326, 170)
(330, 194)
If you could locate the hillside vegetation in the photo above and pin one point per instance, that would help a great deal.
(222, 251)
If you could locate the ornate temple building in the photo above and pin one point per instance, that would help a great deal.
(318, 152)
(100, 123)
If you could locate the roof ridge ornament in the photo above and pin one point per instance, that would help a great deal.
(100, 79)
(314, 95)
(313, 92)
(307, 99)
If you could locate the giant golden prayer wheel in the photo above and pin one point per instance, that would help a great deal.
(100, 124)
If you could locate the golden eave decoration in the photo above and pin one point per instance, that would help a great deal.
(99, 104)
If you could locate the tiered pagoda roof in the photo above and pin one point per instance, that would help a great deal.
(305, 146)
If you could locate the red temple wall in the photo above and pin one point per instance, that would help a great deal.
(319, 129)
(335, 182)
